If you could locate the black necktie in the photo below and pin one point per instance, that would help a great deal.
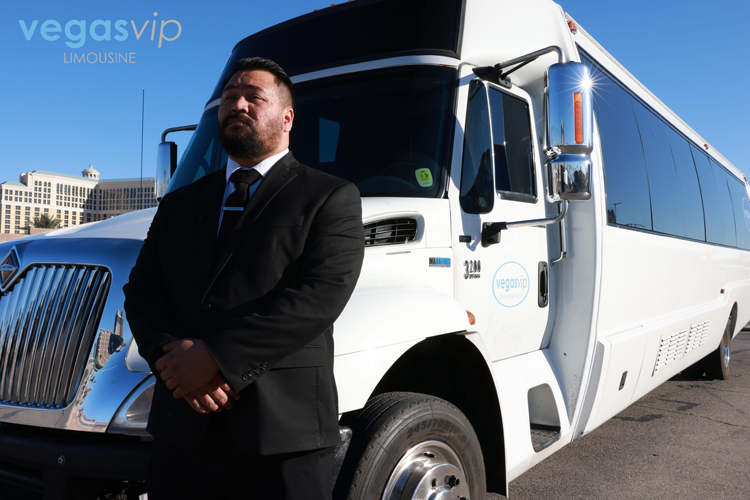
(242, 179)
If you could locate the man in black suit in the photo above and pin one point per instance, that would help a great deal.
(232, 301)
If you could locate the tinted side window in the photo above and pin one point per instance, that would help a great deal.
(477, 191)
(666, 202)
(725, 204)
(511, 133)
(678, 190)
(625, 177)
(690, 192)
(711, 201)
(741, 211)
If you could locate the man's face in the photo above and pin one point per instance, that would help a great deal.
(253, 122)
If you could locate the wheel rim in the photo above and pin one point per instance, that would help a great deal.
(428, 471)
(726, 356)
(726, 353)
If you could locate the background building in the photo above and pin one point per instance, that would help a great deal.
(73, 200)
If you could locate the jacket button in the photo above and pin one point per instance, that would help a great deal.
(206, 306)
(245, 377)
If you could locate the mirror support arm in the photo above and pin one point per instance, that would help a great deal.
(176, 129)
(166, 160)
(491, 230)
(496, 73)
(563, 243)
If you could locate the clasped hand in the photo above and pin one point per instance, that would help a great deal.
(188, 370)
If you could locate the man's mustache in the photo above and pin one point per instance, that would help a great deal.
(236, 116)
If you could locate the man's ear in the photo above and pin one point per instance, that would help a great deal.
(288, 119)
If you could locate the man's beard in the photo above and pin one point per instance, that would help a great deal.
(249, 141)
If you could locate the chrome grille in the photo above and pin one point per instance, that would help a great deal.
(48, 321)
(390, 231)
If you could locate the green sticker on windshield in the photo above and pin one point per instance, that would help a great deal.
(424, 177)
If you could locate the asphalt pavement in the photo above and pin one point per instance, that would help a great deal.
(688, 439)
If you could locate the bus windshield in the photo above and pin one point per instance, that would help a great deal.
(387, 131)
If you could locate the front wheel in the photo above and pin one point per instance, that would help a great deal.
(412, 446)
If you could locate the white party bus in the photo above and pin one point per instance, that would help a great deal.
(546, 242)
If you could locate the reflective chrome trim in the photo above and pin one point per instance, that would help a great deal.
(10, 267)
(106, 382)
(541, 222)
(48, 321)
(569, 110)
(563, 243)
(429, 470)
(491, 230)
(569, 178)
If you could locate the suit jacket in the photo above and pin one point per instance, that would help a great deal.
(264, 308)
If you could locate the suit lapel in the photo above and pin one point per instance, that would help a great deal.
(279, 176)
(209, 208)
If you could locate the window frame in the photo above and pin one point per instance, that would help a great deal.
(513, 195)
(501, 195)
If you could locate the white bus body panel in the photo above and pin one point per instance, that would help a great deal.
(642, 299)
(515, 377)
(399, 301)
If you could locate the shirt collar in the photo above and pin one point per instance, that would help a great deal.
(262, 167)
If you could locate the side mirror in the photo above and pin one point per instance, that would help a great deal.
(569, 124)
(166, 164)
(569, 178)
(570, 115)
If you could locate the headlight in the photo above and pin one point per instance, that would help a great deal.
(132, 416)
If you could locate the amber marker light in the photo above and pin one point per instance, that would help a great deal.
(578, 110)
(472, 319)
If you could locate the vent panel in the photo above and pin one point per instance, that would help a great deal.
(390, 231)
(698, 335)
(674, 347)
(671, 348)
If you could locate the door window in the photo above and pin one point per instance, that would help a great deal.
(498, 139)
(477, 194)
(511, 134)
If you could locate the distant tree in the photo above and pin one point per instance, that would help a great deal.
(611, 216)
(44, 221)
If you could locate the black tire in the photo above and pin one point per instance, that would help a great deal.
(716, 364)
(424, 441)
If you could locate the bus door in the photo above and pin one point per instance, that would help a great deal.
(504, 285)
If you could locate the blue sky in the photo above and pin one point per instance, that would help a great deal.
(62, 116)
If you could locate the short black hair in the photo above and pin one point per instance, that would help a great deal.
(259, 63)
